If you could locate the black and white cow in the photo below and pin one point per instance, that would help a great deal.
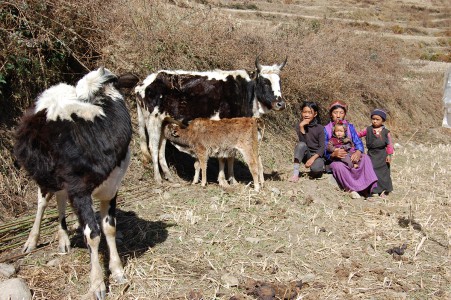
(75, 144)
(183, 96)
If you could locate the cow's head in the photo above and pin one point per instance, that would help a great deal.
(268, 88)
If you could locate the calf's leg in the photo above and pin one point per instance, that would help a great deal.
(230, 172)
(251, 158)
(196, 171)
(203, 159)
(221, 176)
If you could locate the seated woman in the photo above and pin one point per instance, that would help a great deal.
(358, 181)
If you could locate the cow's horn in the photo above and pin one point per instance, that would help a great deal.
(284, 63)
(257, 64)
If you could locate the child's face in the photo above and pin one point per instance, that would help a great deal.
(339, 131)
(376, 121)
(308, 113)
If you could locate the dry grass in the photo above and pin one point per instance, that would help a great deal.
(181, 240)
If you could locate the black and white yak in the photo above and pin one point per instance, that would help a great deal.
(75, 144)
(186, 95)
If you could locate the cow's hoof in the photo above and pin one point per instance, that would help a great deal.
(101, 292)
(29, 246)
(120, 278)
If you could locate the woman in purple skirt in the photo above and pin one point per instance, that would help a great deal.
(358, 181)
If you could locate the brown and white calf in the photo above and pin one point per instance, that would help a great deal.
(204, 138)
(75, 144)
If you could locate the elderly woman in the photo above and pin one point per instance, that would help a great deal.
(358, 181)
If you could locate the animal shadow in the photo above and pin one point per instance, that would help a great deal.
(134, 235)
(184, 166)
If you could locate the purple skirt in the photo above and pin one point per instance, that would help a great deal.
(351, 179)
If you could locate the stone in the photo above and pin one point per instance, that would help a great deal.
(14, 289)
(7, 270)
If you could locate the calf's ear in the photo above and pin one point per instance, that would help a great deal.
(174, 130)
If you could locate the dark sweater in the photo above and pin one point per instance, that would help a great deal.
(313, 137)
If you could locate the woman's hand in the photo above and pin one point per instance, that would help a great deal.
(310, 161)
(339, 153)
(355, 157)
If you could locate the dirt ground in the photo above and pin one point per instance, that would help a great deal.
(307, 240)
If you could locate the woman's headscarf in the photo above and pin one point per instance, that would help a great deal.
(338, 104)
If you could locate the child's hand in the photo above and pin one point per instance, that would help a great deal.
(388, 159)
(305, 122)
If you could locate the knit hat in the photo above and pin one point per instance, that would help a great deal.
(338, 103)
(379, 112)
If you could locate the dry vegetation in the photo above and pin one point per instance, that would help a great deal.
(184, 242)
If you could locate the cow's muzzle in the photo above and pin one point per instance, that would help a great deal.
(278, 104)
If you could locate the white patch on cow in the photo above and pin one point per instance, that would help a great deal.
(91, 83)
(215, 116)
(87, 231)
(140, 89)
(216, 74)
(113, 93)
(110, 186)
(275, 83)
(274, 69)
(61, 101)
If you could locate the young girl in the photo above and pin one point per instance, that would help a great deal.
(311, 145)
(380, 150)
(340, 140)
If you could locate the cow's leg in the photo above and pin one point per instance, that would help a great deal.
(162, 159)
(196, 171)
(83, 207)
(221, 176)
(154, 132)
(108, 217)
(63, 238)
(251, 158)
(230, 172)
(33, 237)
(146, 157)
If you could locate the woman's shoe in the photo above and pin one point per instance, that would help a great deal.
(355, 195)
